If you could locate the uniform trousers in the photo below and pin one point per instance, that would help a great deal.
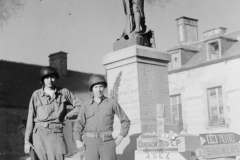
(97, 149)
(48, 145)
(33, 155)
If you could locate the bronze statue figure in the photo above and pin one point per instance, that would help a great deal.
(135, 19)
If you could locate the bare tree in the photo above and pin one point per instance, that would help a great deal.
(160, 3)
(9, 9)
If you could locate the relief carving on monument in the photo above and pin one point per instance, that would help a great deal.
(125, 91)
(114, 92)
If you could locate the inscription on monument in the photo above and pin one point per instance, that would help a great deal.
(128, 91)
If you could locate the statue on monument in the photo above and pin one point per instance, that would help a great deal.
(135, 29)
(135, 18)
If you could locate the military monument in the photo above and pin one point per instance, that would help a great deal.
(137, 78)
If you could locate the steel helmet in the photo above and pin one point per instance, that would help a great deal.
(96, 79)
(47, 71)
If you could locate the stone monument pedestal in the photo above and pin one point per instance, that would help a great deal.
(138, 79)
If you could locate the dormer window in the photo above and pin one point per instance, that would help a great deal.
(213, 50)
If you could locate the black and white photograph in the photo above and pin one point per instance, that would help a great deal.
(119, 80)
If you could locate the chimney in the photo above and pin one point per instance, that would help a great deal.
(214, 31)
(187, 30)
(59, 62)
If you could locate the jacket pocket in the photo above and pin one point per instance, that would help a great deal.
(42, 111)
(89, 114)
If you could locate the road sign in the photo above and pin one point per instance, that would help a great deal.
(140, 155)
(200, 152)
(219, 150)
(220, 138)
(165, 144)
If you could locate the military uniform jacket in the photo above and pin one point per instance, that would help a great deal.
(43, 108)
(94, 117)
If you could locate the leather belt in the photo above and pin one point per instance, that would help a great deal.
(103, 135)
(49, 124)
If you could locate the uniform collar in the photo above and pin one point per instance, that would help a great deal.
(92, 99)
(43, 93)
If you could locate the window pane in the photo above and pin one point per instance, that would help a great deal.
(180, 112)
(212, 92)
(214, 110)
(213, 101)
(221, 110)
(174, 100)
(175, 117)
(179, 99)
(215, 105)
(213, 50)
(220, 100)
(219, 91)
(214, 118)
(174, 108)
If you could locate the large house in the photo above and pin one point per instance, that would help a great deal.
(17, 83)
(204, 79)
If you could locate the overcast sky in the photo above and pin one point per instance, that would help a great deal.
(87, 29)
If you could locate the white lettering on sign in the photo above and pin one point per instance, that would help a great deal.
(220, 138)
(140, 155)
(158, 143)
(221, 150)
(226, 138)
(212, 139)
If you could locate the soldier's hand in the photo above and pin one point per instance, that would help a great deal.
(27, 147)
(70, 117)
(118, 140)
(65, 118)
(80, 145)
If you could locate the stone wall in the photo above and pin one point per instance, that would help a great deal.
(193, 84)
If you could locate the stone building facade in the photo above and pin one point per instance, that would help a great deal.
(204, 78)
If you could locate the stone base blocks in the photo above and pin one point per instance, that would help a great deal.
(138, 79)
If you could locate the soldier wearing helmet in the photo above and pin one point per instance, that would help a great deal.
(95, 123)
(47, 112)
(45, 71)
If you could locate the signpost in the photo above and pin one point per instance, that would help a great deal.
(141, 155)
(217, 151)
(219, 145)
(220, 138)
(166, 146)
(155, 147)
(161, 144)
